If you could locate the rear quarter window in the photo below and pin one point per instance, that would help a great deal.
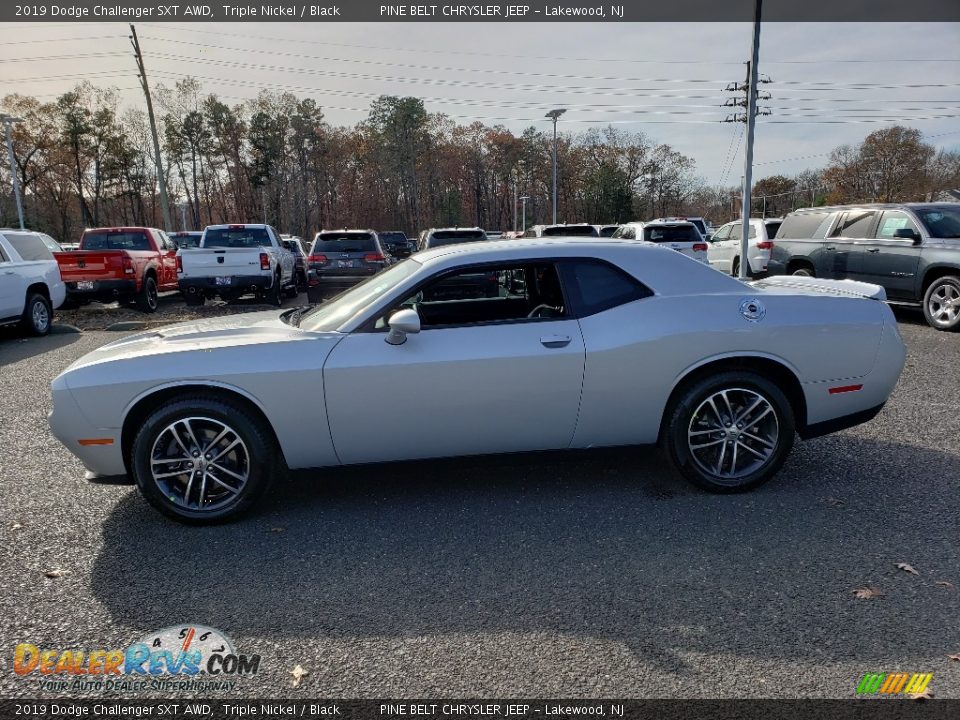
(29, 247)
(594, 286)
(805, 226)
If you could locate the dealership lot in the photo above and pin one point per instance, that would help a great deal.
(545, 575)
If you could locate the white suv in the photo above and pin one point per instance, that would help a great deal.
(30, 284)
(724, 250)
(680, 235)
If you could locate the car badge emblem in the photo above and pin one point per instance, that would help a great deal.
(220, 259)
(752, 309)
(81, 263)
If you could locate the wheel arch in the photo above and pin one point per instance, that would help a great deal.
(932, 274)
(37, 287)
(146, 402)
(795, 263)
(774, 368)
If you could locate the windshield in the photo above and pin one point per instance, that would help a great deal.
(136, 240)
(452, 237)
(941, 222)
(187, 240)
(242, 237)
(331, 315)
(671, 233)
(344, 242)
(568, 230)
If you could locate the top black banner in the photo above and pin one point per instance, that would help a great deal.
(517, 11)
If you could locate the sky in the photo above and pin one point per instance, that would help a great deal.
(832, 83)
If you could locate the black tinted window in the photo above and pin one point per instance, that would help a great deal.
(236, 238)
(597, 286)
(345, 242)
(135, 240)
(855, 224)
(452, 237)
(570, 231)
(941, 222)
(668, 233)
(608, 231)
(700, 226)
(804, 226)
(29, 247)
(394, 238)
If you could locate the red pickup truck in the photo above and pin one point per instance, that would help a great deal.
(121, 263)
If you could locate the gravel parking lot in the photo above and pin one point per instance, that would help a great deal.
(546, 575)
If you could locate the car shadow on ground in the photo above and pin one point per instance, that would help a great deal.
(604, 545)
(17, 345)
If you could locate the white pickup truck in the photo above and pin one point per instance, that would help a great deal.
(235, 260)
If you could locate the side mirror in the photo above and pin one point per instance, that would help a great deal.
(708, 237)
(907, 234)
(402, 323)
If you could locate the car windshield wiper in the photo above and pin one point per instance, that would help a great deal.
(293, 316)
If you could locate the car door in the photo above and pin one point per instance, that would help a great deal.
(720, 249)
(480, 376)
(12, 287)
(890, 261)
(842, 254)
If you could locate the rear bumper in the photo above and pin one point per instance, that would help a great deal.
(104, 290)
(238, 283)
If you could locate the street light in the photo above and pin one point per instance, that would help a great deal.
(523, 204)
(553, 115)
(8, 121)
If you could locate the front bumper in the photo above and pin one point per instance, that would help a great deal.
(101, 453)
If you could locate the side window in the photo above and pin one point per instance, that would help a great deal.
(854, 224)
(736, 232)
(29, 247)
(753, 231)
(487, 294)
(594, 286)
(891, 221)
(628, 232)
(722, 234)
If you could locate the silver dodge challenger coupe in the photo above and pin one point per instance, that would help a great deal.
(494, 347)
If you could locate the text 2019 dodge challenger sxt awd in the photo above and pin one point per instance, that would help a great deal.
(490, 347)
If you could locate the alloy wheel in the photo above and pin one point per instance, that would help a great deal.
(944, 304)
(40, 317)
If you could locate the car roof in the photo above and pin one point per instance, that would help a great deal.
(879, 206)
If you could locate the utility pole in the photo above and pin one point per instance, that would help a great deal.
(748, 160)
(514, 203)
(8, 121)
(523, 199)
(161, 181)
(553, 115)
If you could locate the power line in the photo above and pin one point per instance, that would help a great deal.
(60, 40)
(62, 57)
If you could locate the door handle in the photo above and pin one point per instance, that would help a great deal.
(873, 250)
(830, 249)
(555, 341)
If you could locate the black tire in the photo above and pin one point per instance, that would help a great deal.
(742, 387)
(292, 290)
(148, 299)
(941, 297)
(735, 268)
(194, 299)
(274, 296)
(262, 465)
(302, 284)
(37, 315)
(803, 271)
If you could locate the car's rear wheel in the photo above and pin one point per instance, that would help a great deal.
(941, 303)
(729, 432)
(275, 294)
(203, 459)
(37, 315)
(803, 271)
(148, 299)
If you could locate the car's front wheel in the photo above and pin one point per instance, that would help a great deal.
(941, 303)
(204, 459)
(729, 432)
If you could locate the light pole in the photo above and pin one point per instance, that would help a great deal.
(523, 204)
(553, 115)
(8, 121)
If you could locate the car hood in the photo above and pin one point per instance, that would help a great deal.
(209, 334)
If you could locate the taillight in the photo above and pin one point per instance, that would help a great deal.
(373, 257)
(127, 266)
(236, 227)
(699, 247)
(264, 261)
(179, 264)
(765, 245)
(317, 258)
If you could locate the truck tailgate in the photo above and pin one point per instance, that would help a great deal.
(213, 262)
(90, 265)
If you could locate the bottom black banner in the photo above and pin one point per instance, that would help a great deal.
(480, 709)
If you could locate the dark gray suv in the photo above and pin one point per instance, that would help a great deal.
(912, 250)
(340, 259)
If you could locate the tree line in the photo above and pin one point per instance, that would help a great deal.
(83, 161)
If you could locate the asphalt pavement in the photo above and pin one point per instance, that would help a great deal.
(588, 574)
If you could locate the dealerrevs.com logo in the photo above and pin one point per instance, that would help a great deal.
(187, 657)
